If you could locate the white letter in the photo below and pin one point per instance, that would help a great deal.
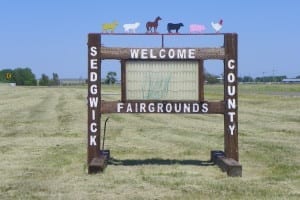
(151, 107)
(93, 127)
(231, 115)
(94, 51)
(136, 107)
(230, 64)
(231, 90)
(94, 63)
(171, 53)
(231, 77)
(93, 76)
(191, 54)
(162, 53)
(134, 53)
(93, 140)
(231, 103)
(93, 115)
(169, 108)
(93, 89)
(144, 54)
(196, 108)
(204, 108)
(187, 107)
(160, 107)
(142, 107)
(93, 102)
(181, 53)
(231, 128)
(177, 107)
(152, 55)
(129, 107)
(120, 106)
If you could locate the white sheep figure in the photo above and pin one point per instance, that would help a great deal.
(131, 27)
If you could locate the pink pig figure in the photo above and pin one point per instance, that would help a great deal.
(197, 28)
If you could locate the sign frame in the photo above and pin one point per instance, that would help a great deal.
(228, 107)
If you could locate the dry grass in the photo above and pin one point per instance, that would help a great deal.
(43, 148)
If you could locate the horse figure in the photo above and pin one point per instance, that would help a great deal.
(153, 25)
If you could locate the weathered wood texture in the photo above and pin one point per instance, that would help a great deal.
(230, 166)
(231, 92)
(227, 160)
(111, 107)
(201, 79)
(97, 164)
(93, 120)
(124, 53)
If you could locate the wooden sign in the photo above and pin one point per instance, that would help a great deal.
(163, 81)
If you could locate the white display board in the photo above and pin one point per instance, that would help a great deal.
(162, 80)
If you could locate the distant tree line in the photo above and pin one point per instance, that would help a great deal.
(24, 76)
(211, 78)
(262, 79)
(45, 81)
(20, 76)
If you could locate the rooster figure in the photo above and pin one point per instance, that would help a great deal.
(217, 26)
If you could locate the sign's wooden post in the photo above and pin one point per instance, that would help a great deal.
(94, 162)
(228, 160)
(231, 97)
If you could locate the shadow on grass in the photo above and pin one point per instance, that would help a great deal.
(159, 161)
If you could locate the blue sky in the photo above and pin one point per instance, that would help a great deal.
(51, 36)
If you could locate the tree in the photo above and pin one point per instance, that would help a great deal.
(111, 78)
(44, 81)
(270, 79)
(20, 76)
(55, 79)
(247, 79)
(24, 76)
(210, 78)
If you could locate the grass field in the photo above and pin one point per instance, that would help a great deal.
(43, 148)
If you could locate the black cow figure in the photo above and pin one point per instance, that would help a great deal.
(172, 26)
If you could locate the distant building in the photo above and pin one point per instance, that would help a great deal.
(291, 80)
(72, 81)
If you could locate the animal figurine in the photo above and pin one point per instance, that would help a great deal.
(131, 27)
(154, 25)
(217, 26)
(172, 26)
(109, 26)
(197, 28)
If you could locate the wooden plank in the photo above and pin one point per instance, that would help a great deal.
(167, 107)
(201, 80)
(97, 164)
(230, 166)
(124, 53)
(123, 80)
(231, 97)
(94, 99)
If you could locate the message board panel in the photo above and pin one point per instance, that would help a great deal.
(162, 80)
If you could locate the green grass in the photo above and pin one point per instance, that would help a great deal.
(43, 147)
